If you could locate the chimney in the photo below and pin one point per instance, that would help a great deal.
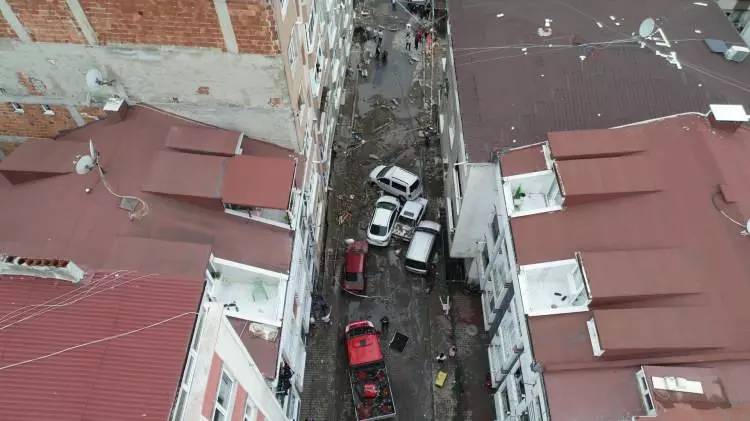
(727, 117)
(116, 108)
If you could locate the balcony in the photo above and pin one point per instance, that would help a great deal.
(554, 288)
(249, 293)
(528, 194)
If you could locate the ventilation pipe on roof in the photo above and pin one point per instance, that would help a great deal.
(41, 268)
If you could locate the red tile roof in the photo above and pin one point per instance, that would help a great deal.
(258, 181)
(668, 272)
(55, 217)
(134, 376)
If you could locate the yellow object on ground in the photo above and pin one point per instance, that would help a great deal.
(440, 378)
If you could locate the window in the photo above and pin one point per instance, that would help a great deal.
(457, 190)
(485, 256)
(520, 386)
(292, 50)
(251, 411)
(495, 226)
(311, 26)
(505, 401)
(223, 397)
(451, 132)
(398, 186)
(648, 403)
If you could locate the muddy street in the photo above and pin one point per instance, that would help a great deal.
(382, 122)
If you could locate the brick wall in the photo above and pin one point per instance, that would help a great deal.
(33, 123)
(161, 22)
(254, 26)
(91, 114)
(47, 20)
(5, 29)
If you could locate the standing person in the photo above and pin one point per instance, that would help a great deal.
(408, 41)
(377, 53)
(417, 38)
(384, 322)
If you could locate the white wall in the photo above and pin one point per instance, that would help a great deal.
(477, 207)
(241, 86)
(219, 337)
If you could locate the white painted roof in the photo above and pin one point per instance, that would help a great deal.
(724, 112)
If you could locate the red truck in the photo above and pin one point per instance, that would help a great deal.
(368, 376)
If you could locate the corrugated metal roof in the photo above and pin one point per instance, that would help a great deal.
(206, 140)
(262, 182)
(133, 377)
(56, 218)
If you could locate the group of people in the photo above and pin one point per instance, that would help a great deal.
(419, 35)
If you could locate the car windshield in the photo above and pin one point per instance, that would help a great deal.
(416, 264)
(384, 170)
(406, 221)
(353, 277)
(378, 230)
(387, 205)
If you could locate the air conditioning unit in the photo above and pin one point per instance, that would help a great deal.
(736, 53)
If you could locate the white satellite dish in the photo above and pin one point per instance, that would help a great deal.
(647, 28)
(85, 164)
(94, 79)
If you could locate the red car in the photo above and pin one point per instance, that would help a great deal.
(354, 279)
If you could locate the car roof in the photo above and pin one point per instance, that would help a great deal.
(381, 217)
(413, 206)
(420, 246)
(355, 261)
(403, 175)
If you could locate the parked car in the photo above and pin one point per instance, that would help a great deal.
(355, 262)
(421, 247)
(397, 181)
(383, 220)
(409, 218)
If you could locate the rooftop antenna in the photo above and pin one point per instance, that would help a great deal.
(84, 164)
(649, 31)
(95, 80)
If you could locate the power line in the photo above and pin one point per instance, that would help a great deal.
(17, 312)
(96, 341)
(82, 296)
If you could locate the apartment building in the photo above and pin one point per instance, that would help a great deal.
(517, 71)
(270, 74)
(164, 284)
(630, 288)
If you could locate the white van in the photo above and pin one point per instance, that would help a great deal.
(421, 246)
(397, 181)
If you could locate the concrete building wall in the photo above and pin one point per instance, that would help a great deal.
(218, 339)
(241, 92)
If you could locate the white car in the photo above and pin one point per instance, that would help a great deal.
(397, 181)
(421, 247)
(409, 218)
(383, 219)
